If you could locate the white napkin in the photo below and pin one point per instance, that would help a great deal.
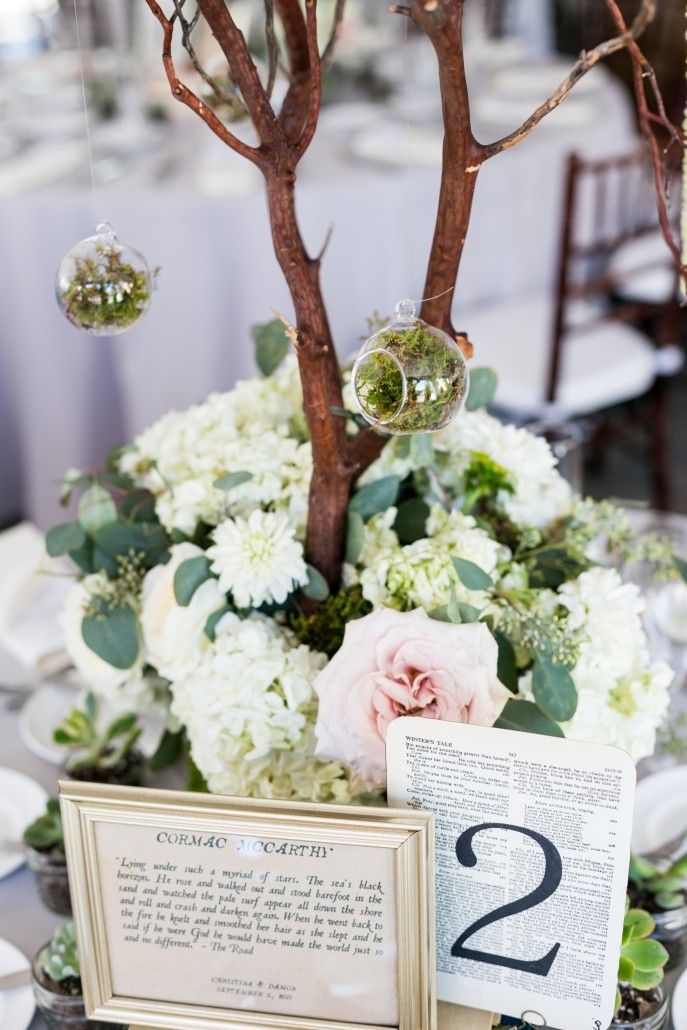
(33, 588)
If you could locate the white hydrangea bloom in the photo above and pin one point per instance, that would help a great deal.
(422, 574)
(540, 492)
(258, 559)
(258, 427)
(622, 696)
(249, 711)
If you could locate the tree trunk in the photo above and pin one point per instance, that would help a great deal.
(320, 377)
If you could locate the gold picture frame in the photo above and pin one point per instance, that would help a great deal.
(102, 823)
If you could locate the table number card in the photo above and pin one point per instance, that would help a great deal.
(532, 852)
(222, 913)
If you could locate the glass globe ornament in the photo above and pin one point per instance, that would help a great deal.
(103, 286)
(410, 377)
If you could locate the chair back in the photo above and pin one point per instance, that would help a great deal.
(607, 203)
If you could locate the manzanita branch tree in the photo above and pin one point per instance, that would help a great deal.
(283, 136)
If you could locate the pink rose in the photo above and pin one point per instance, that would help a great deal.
(402, 663)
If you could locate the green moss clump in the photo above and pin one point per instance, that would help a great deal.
(104, 291)
(436, 380)
(323, 629)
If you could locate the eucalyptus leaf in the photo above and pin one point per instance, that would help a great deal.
(316, 588)
(112, 634)
(527, 718)
(681, 566)
(271, 345)
(68, 536)
(232, 479)
(421, 449)
(554, 689)
(210, 627)
(355, 536)
(96, 509)
(453, 609)
(471, 575)
(188, 577)
(507, 670)
(123, 539)
(483, 383)
(375, 497)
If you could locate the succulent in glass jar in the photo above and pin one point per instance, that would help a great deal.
(104, 756)
(102, 285)
(409, 377)
(44, 841)
(639, 996)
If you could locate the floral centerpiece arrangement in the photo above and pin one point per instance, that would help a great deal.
(470, 592)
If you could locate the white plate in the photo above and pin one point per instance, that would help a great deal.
(44, 710)
(660, 809)
(18, 1005)
(21, 801)
(679, 1003)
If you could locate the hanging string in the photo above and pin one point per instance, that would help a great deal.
(89, 145)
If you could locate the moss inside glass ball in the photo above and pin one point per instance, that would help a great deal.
(103, 290)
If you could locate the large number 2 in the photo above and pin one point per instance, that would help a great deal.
(553, 872)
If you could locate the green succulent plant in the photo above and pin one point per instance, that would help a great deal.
(641, 958)
(659, 889)
(45, 834)
(59, 959)
(92, 748)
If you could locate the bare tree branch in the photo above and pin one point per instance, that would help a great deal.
(188, 97)
(315, 99)
(586, 61)
(221, 95)
(642, 72)
(328, 52)
(272, 47)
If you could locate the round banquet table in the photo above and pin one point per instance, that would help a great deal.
(198, 211)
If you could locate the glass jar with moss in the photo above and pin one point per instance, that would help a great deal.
(56, 979)
(410, 377)
(103, 286)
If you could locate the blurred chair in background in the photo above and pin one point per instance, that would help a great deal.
(607, 340)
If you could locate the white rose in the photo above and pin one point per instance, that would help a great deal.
(174, 636)
(99, 674)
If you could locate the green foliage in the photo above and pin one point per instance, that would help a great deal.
(168, 750)
(112, 633)
(483, 383)
(355, 536)
(59, 959)
(471, 576)
(317, 588)
(105, 290)
(68, 536)
(210, 627)
(424, 359)
(527, 718)
(554, 689)
(91, 748)
(323, 629)
(681, 566)
(232, 479)
(375, 497)
(96, 509)
(484, 478)
(188, 577)
(656, 889)
(411, 520)
(507, 669)
(45, 834)
(641, 959)
(271, 345)
(195, 781)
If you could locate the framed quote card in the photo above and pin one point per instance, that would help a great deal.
(209, 912)
(532, 853)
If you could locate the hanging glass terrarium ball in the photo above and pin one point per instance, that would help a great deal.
(102, 285)
(410, 377)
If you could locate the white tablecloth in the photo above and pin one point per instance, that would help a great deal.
(65, 396)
